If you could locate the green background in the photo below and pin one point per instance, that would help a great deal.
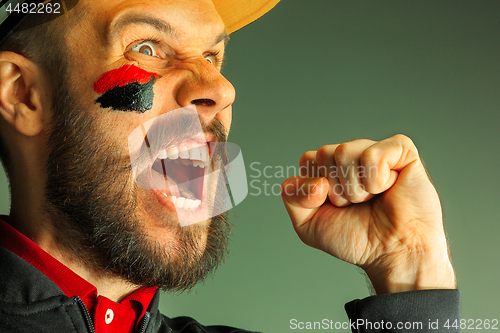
(316, 72)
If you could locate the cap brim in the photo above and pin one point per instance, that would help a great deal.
(237, 13)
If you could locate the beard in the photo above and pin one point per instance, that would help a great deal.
(91, 199)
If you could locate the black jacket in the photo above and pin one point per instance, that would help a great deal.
(31, 303)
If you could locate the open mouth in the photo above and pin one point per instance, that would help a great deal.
(183, 171)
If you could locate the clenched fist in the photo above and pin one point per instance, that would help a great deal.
(372, 204)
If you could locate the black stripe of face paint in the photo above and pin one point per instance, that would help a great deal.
(130, 97)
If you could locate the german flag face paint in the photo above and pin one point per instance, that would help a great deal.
(128, 88)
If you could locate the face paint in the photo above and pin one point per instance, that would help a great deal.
(128, 88)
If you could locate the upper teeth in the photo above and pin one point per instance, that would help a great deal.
(199, 155)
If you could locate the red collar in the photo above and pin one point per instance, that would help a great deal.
(108, 316)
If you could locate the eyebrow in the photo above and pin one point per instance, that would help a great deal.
(159, 25)
(223, 37)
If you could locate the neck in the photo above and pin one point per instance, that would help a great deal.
(43, 234)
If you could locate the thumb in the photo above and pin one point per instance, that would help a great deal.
(303, 196)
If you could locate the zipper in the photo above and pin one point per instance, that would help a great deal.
(145, 322)
(88, 320)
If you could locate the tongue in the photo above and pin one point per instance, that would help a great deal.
(169, 187)
(176, 179)
(185, 192)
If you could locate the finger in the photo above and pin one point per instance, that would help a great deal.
(308, 166)
(349, 171)
(326, 162)
(302, 197)
(385, 159)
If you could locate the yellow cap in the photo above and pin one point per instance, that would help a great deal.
(238, 13)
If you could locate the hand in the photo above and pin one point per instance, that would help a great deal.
(372, 204)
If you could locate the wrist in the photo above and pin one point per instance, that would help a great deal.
(413, 271)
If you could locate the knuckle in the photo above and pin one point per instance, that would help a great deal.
(403, 139)
(323, 154)
(307, 156)
(370, 156)
(362, 141)
(341, 154)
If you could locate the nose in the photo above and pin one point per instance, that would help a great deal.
(204, 86)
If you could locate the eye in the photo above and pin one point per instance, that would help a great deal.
(213, 58)
(145, 48)
(210, 59)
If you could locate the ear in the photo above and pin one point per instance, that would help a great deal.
(22, 93)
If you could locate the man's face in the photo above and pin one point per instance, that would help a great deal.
(179, 45)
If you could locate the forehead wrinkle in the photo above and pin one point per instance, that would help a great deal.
(129, 19)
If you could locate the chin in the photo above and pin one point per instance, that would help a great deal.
(162, 225)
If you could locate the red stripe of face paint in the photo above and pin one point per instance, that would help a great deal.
(122, 76)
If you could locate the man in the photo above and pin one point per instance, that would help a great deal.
(85, 248)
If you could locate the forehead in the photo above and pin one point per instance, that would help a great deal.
(184, 19)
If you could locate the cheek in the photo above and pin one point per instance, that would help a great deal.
(128, 88)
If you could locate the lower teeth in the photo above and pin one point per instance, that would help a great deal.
(184, 203)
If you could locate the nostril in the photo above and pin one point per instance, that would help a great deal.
(203, 102)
